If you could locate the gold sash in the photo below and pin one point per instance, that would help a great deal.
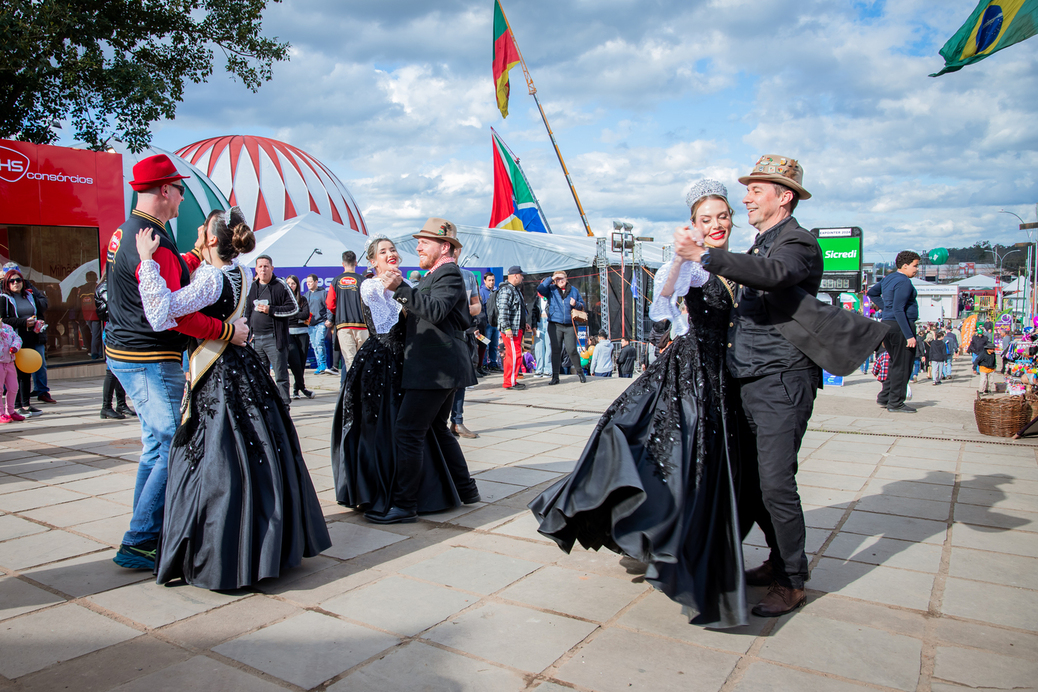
(207, 353)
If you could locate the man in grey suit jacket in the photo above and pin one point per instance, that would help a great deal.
(436, 362)
(777, 380)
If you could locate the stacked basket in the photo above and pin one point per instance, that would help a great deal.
(1003, 416)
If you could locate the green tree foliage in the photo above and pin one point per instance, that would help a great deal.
(113, 67)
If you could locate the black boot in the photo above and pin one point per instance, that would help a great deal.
(107, 390)
(107, 413)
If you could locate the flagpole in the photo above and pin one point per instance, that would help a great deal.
(558, 152)
(526, 180)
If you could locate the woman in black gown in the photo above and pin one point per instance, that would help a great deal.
(656, 481)
(363, 461)
(240, 505)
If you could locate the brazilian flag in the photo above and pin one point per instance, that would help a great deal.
(994, 25)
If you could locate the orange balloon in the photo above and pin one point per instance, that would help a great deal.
(28, 360)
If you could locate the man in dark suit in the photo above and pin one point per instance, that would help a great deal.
(436, 362)
(777, 380)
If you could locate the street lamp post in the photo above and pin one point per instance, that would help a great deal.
(998, 275)
(1032, 256)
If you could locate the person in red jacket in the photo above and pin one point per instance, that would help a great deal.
(346, 312)
(146, 362)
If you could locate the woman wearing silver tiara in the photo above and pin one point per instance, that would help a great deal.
(363, 461)
(240, 505)
(656, 480)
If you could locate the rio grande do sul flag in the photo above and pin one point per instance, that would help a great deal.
(514, 206)
(506, 56)
(994, 25)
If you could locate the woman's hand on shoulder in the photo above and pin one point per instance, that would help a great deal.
(147, 243)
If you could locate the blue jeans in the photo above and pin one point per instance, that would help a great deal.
(39, 378)
(542, 352)
(947, 367)
(458, 407)
(156, 390)
(492, 356)
(317, 341)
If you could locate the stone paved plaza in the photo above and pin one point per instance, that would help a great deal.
(923, 538)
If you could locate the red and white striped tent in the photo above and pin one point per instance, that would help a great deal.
(272, 181)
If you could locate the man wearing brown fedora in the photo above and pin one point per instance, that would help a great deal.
(148, 363)
(777, 380)
(436, 362)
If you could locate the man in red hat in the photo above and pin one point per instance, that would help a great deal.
(148, 363)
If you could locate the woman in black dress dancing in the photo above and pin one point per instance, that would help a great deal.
(656, 480)
(240, 505)
(363, 461)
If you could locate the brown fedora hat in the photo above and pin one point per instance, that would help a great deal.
(778, 169)
(439, 229)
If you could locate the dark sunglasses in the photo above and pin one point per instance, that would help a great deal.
(179, 187)
(14, 281)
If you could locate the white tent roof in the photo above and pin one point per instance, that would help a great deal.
(290, 243)
(536, 253)
(978, 281)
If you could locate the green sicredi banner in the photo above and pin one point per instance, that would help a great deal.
(841, 254)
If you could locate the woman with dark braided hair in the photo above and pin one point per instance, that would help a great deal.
(240, 505)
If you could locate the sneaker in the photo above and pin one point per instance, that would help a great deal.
(46, 398)
(321, 371)
(137, 556)
(4, 418)
(295, 395)
(30, 411)
(308, 394)
(15, 416)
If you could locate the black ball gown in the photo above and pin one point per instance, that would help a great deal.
(240, 505)
(363, 450)
(656, 480)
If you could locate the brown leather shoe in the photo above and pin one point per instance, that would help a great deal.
(460, 430)
(779, 601)
(763, 575)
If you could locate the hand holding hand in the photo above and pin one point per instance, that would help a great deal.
(688, 244)
(147, 243)
(241, 332)
(391, 279)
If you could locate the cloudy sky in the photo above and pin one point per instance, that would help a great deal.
(646, 96)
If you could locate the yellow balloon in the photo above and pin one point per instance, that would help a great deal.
(28, 360)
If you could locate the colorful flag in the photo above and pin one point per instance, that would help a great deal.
(994, 25)
(506, 56)
(514, 206)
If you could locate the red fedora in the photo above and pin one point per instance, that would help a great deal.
(154, 171)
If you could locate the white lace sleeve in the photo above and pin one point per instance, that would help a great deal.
(384, 310)
(690, 275)
(162, 306)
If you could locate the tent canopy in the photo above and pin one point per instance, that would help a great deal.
(978, 282)
(291, 242)
(536, 253)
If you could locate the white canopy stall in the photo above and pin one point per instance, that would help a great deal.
(937, 301)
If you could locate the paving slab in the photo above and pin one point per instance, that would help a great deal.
(766, 677)
(41, 548)
(877, 583)
(879, 550)
(153, 605)
(418, 666)
(402, 606)
(991, 603)
(86, 575)
(983, 669)
(323, 647)
(581, 594)
(617, 660)
(848, 650)
(18, 597)
(492, 631)
(472, 570)
(350, 540)
(199, 673)
(38, 640)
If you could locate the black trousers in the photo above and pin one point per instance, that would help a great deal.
(420, 411)
(111, 387)
(902, 358)
(776, 409)
(298, 347)
(559, 333)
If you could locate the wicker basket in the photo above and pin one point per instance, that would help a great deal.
(1001, 416)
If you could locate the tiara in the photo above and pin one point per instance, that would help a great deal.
(705, 187)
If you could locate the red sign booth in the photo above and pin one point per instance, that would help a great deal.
(58, 207)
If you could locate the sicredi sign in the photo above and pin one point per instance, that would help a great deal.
(841, 254)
